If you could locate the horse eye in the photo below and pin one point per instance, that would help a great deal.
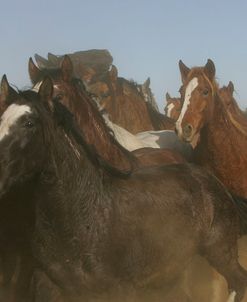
(105, 95)
(29, 124)
(59, 96)
(205, 92)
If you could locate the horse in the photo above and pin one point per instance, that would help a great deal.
(173, 107)
(102, 233)
(86, 63)
(16, 220)
(166, 139)
(130, 105)
(120, 96)
(218, 136)
(76, 98)
(159, 121)
(231, 105)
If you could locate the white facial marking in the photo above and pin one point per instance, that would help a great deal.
(37, 86)
(232, 296)
(11, 116)
(169, 109)
(189, 89)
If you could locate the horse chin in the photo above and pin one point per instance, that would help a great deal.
(194, 140)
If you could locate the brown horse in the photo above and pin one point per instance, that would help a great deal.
(126, 103)
(149, 156)
(75, 97)
(130, 105)
(86, 63)
(231, 105)
(219, 137)
(173, 107)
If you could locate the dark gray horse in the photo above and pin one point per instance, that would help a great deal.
(103, 234)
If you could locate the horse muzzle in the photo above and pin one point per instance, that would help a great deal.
(187, 132)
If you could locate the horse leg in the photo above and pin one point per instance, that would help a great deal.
(9, 263)
(43, 289)
(24, 277)
(220, 249)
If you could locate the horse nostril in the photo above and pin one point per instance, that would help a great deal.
(187, 130)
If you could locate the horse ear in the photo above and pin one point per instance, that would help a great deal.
(168, 97)
(113, 73)
(184, 70)
(46, 92)
(34, 71)
(52, 58)
(209, 69)
(67, 68)
(230, 87)
(8, 94)
(147, 82)
(42, 62)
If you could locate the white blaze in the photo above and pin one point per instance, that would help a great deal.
(11, 116)
(189, 89)
(169, 109)
(231, 298)
(37, 86)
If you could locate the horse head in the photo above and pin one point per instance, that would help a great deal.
(23, 133)
(173, 107)
(198, 94)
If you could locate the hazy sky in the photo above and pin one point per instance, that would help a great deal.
(145, 38)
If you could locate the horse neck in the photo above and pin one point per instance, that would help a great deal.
(69, 175)
(221, 137)
(70, 201)
(238, 115)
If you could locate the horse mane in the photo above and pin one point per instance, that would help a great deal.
(66, 119)
(239, 126)
(111, 155)
(159, 121)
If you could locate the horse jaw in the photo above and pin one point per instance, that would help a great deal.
(195, 140)
(231, 297)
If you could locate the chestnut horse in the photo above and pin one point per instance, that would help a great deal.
(219, 137)
(129, 105)
(173, 107)
(231, 105)
(75, 97)
(102, 234)
(126, 103)
(86, 63)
